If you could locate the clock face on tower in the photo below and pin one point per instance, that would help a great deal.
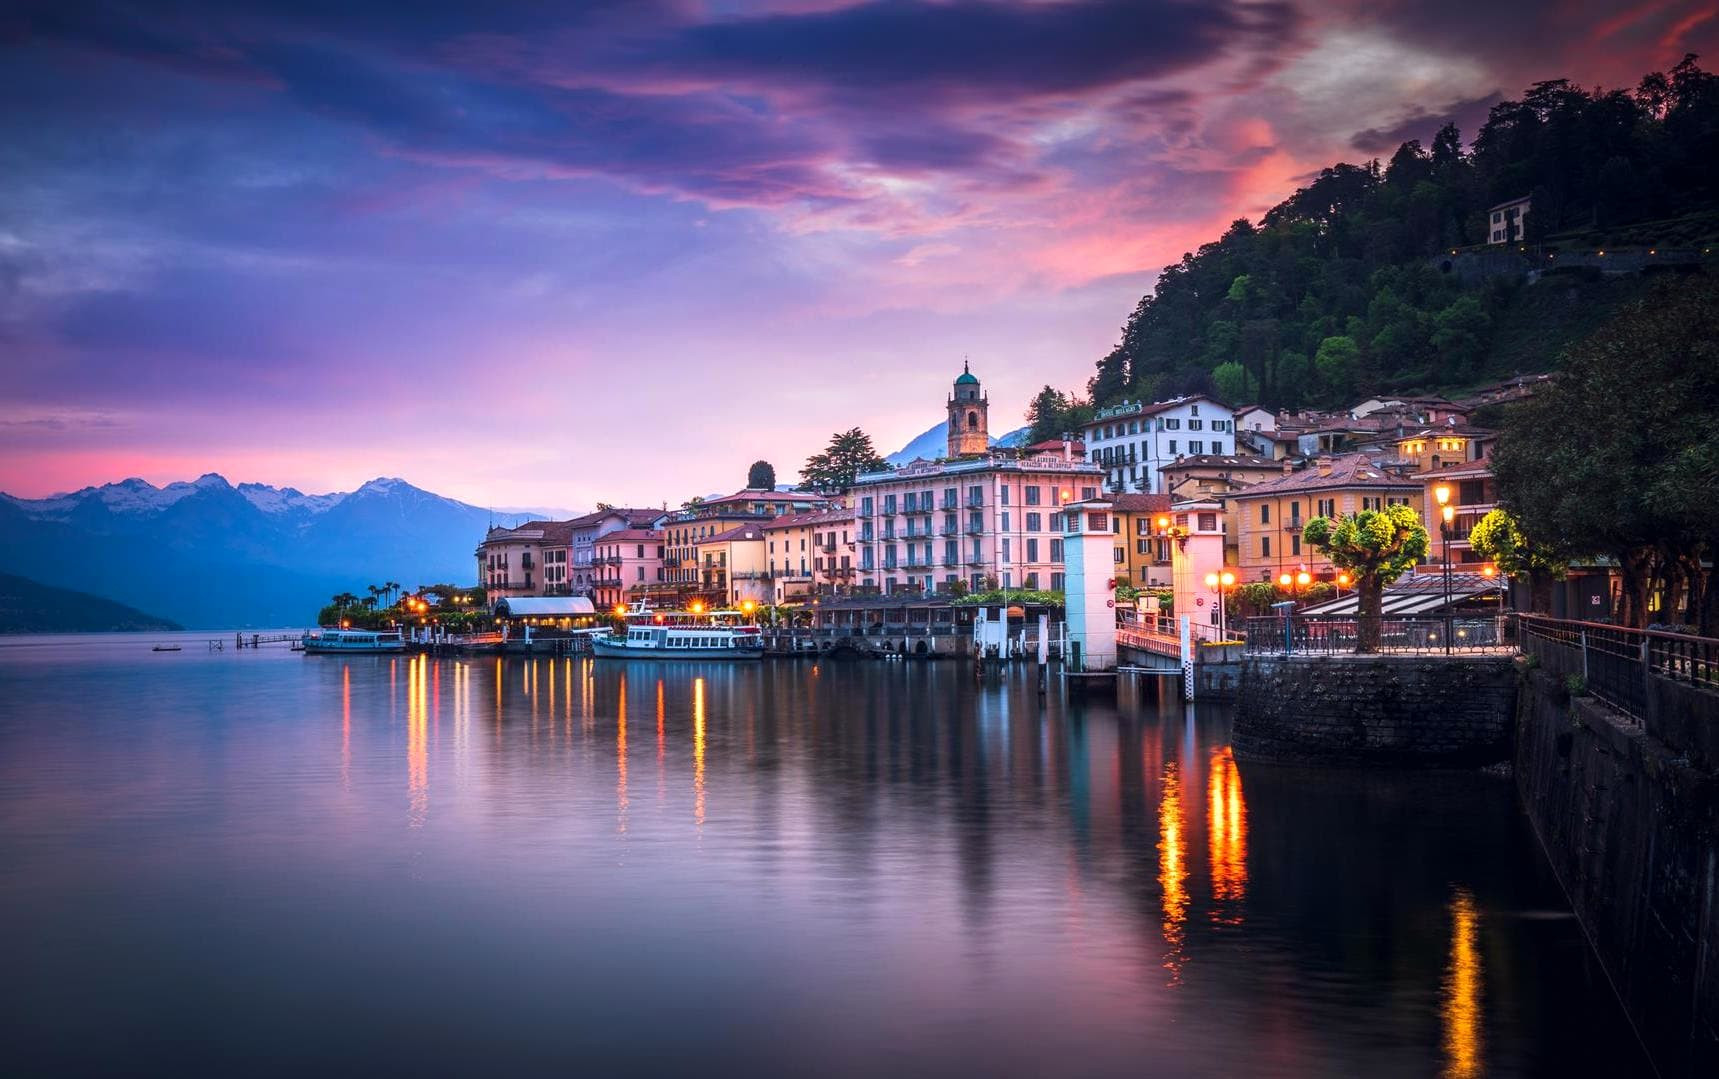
(969, 417)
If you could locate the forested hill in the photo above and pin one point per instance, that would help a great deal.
(28, 607)
(1338, 292)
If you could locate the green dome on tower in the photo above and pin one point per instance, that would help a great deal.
(967, 378)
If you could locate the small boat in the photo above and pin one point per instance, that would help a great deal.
(716, 635)
(167, 648)
(351, 642)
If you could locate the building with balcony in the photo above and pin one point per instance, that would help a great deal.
(529, 560)
(1132, 441)
(973, 519)
(1216, 475)
(733, 568)
(797, 563)
(1269, 516)
(626, 565)
(1474, 494)
(585, 531)
(1142, 550)
(834, 550)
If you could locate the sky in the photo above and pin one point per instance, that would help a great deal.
(551, 253)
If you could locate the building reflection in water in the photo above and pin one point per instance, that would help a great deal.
(1226, 829)
(621, 757)
(1173, 871)
(1464, 1043)
(698, 750)
(417, 739)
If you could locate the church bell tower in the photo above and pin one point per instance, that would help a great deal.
(969, 420)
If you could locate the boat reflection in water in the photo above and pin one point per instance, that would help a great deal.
(843, 869)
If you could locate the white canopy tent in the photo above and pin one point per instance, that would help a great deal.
(544, 607)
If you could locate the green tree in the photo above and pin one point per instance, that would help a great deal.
(761, 476)
(1335, 363)
(1234, 383)
(1375, 547)
(849, 454)
(1460, 335)
(1498, 538)
(1047, 414)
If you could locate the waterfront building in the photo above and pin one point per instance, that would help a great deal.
(792, 550)
(976, 518)
(528, 560)
(1142, 553)
(762, 503)
(1269, 515)
(834, 550)
(584, 533)
(733, 568)
(1131, 441)
(626, 565)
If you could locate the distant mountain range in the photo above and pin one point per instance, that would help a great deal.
(28, 607)
(211, 555)
(934, 443)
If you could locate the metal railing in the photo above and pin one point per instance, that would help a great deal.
(1615, 663)
(1338, 634)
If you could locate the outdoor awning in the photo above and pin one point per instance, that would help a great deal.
(544, 607)
(1404, 603)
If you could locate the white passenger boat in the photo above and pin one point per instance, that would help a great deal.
(716, 635)
(351, 641)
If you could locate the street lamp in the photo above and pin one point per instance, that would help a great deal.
(1219, 582)
(1448, 514)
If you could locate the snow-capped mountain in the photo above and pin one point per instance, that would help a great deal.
(207, 554)
(935, 442)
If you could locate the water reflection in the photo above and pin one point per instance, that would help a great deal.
(907, 872)
(1172, 871)
(1463, 984)
(1226, 831)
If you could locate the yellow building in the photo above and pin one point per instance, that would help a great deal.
(1142, 554)
(734, 567)
(1269, 516)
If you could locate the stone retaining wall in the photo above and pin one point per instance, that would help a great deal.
(1418, 711)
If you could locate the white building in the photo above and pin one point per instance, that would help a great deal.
(1504, 222)
(1132, 441)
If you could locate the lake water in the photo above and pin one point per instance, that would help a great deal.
(264, 863)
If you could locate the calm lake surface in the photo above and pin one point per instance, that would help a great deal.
(265, 863)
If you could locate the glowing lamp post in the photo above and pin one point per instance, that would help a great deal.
(1219, 583)
(1447, 516)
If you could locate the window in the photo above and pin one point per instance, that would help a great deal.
(1035, 521)
(1196, 447)
(1005, 517)
(1003, 497)
(865, 506)
(1030, 494)
(1005, 557)
(1172, 425)
(888, 504)
(1265, 546)
(1172, 445)
(1087, 493)
(1327, 508)
(1117, 554)
(1265, 513)
(1143, 547)
(1208, 522)
(1193, 410)
(1032, 549)
(1133, 427)
(1056, 522)
(1056, 582)
(1295, 543)
(1195, 425)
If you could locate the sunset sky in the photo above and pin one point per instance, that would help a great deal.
(550, 253)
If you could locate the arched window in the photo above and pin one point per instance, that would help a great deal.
(972, 421)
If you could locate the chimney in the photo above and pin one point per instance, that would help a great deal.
(1068, 445)
(1288, 464)
(1325, 466)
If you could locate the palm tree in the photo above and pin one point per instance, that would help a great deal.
(375, 592)
(392, 588)
(345, 600)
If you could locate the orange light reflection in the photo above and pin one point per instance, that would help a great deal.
(1173, 871)
(1464, 981)
(1226, 828)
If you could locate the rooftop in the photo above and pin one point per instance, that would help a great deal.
(1348, 470)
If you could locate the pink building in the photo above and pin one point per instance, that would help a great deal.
(624, 563)
(973, 519)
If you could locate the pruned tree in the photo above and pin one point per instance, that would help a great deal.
(1375, 547)
(761, 476)
(1498, 538)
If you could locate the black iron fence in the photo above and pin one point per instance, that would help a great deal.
(1615, 663)
(1339, 633)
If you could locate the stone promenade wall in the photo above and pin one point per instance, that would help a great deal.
(1417, 711)
(1630, 823)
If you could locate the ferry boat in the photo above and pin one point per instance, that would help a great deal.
(351, 642)
(682, 635)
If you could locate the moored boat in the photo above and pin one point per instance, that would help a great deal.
(682, 635)
(352, 642)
